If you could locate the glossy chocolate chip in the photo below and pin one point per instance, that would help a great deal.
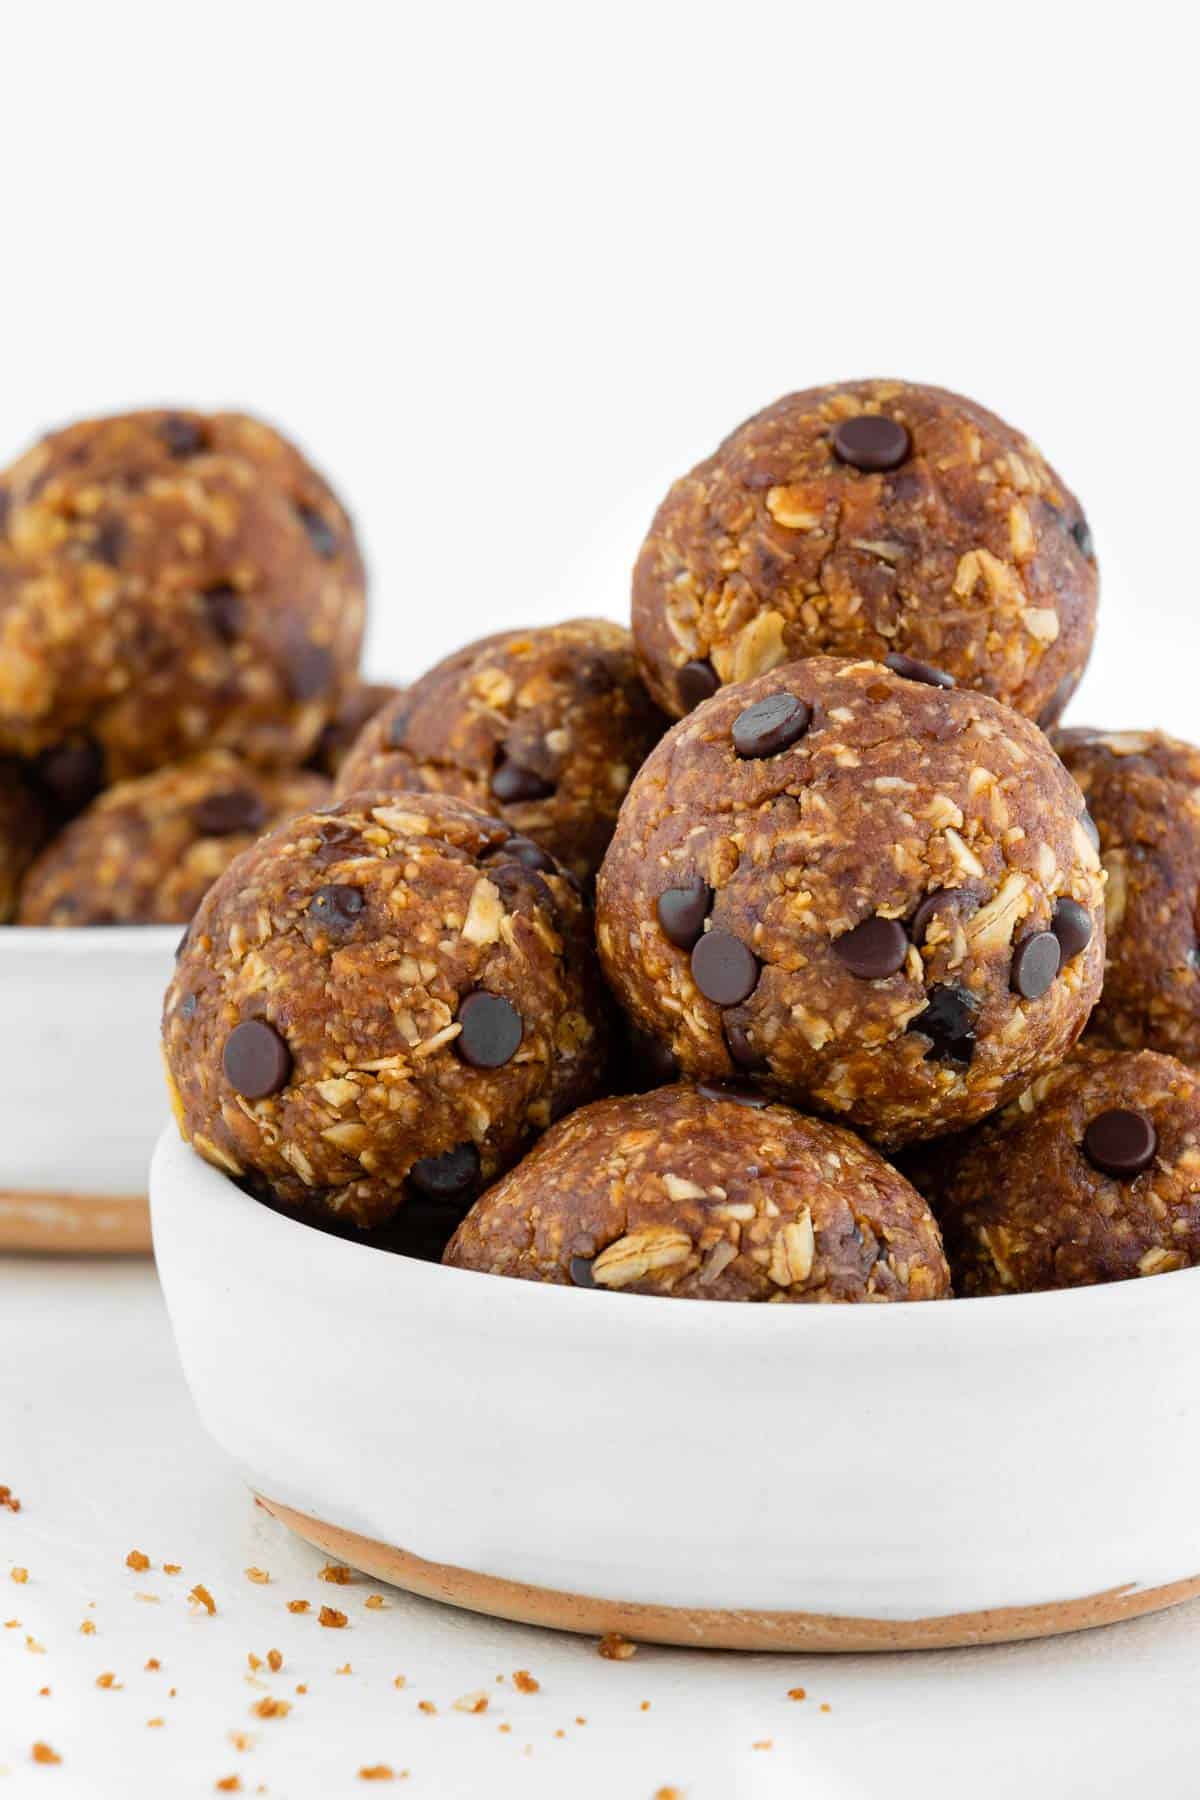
(942, 899)
(1072, 926)
(697, 681)
(109, 541)
(1081, 531)
(511, 783)
(734, 1091)
(529, 855)
(948, 1023)
(223, 608)
(449, 1176)
(871, 443)
(221, 815)
(492, 1030)
(682, 912)
(771, 725)
(873, 950)
(580, 1270)
(337, 905)
(1035, 963)
(1090, 829)
(72, 774)
(724, 969)
(741, 1047)
(309, 669)
(183, 437)
(320, 535)
(912, 670)
(1121, 1141)
(256, 1060)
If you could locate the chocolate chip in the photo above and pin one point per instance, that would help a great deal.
(697, 681)
(220, 815)
(912, 670)
(734, 1091)
(337, 905)
(529, 855)
(871, 443)
(682, 912)
(256, 1060)
(933, 903)
(1121, 1141)
(309, 670)
(183, 437)
(724, 969)
(72, 774)
(771, 725)
(593, 675)
(948, 1023)
(109, 541)
(320, 535)
(492, 1030)
(1072, 926)
(580, 1270)
(1081, 531)
(511, 783)
(223, 608)
(449, 1176)
(1090, 829)
(522, 889)
(1035, 964)
(742, 1050)
(873, 950)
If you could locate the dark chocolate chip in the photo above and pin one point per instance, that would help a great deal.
(580, 1269)
(321, 536)
(724, 969)
(1072, 926)
(1090, 829)
(912, 670)
(256, 1060)
(682, 912)
(948, 1023)
(109, 541)
(529, 855)
(511, 783)
(1035, 963)
(1081, 531)
(337, 905)
(72, 774)
(221, 815)
(521, 888)
(449, 1176)
(933, 903)
(593, 675)
(492, 1030)
(697, 681)
(871, 443)
(742, 1050)
(183, 437)
(223, 607)
(771, 725)
(734, 1091)
(1121, 1141)
(309, 670)
(873, 950)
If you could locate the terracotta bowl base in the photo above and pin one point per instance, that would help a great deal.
(700, 1628)
(75, 1224)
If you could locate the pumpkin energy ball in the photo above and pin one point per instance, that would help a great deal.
(707, 1193)
(22, 830)
(379, 999)
(866, 892)
(1094, 1175)
(147, 851)
(1143, 791)
(869, 519)
(172, 582)
(544, 728)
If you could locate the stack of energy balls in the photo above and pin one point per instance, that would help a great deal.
(779, 1002)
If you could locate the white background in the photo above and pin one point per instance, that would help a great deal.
(505, 270)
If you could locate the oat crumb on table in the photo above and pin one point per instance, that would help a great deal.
(109, 1680)
(152, 1662)
(200, 1596)
(524, 1682)
(19, 1575)
(88, 1627)
(137, 1559)
(797, 1693)
(172, 1568)
(152, 1724)
(42, 1753)
(330, 1616)
(229, 1784)
(8, 1499)
(345, 1669)
(475, 1702)
(615, 1648)
(258, 1575)
(377, 1772)
(375, 1602)
(275, 1660)
(270, 1707)
(297, 1606)
(338, 1573)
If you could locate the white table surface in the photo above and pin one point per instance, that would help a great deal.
(101, 1445)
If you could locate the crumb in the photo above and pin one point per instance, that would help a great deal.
(560, 1733)
(12, 1624)
(201, 1596)
(825, 1706)
(254, 1661)
(20, 1576)
(524, 1682)
(171, 1693)
(297, 1606)
(42, 1753)
(344, 1670)
(376, 1772)
(137, 1560)
(88, 1628)
(271, 1708)
(645, 1706)
(668, 1793)
(153, 1724)
(43, 1691)
(579, 1719)
(329, 1615)
(34, 1648)
(275, 1660)
(399, 1681)
(109, 1680)
(242, 1740)
(259, 1575)
(476, 1702)
(302, 1687)
(504, 1727)
(150, 1599)
(763, 1744)
(229, 1784)
(152, 1662)
(426, 1706)
(797, 1694)
(375, 1602)
(338, 1573)
(615, 1647)
(172, 1568)
(9, 1500)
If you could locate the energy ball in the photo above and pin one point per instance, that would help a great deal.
(707, 1193)
(147, 851)
(23, 828)
(544, 728)
(360, 702)
(172, 582)
(869, 894)
(1143, 791)
(869, 519)
(1093, 1176)
(380, 999)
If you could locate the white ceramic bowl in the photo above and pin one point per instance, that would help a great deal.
(82, 1094)
(786, 1477)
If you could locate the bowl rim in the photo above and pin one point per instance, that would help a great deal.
(175, 1162)
(81, 940)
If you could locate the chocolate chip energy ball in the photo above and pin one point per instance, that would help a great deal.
(23, 828)
(379, 1000)
(873, 895)
(360, 702)
(1143, 791)
(1093, 1176)
(545, 728)
(147, 851)
(869, 519)
(707, 1193)
(172, 582)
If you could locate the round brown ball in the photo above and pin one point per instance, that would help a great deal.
(23, 828)
(865, 519)
(147, 851)
(382, 998)
(544, 728)
(707, 1194)
(1093, 1176)
(846, 886)
(172, 582)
